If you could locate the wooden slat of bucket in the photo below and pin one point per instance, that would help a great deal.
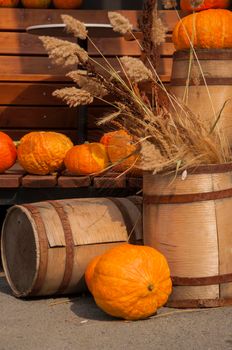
(94, 217)
(223, 217)
(216, 66)
(163, 184)
(195, 236)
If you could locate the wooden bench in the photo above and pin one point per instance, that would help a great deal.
(27, 80)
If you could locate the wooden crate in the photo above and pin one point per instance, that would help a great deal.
(27, 80)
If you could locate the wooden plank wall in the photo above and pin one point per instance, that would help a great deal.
(28, 78)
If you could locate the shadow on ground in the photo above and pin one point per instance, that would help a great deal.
(4, 287)
(87, 309)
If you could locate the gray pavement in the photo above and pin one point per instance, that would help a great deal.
(63, 324)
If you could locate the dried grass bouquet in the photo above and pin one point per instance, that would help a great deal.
(169, 136)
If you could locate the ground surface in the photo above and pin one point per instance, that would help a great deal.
(55, 324)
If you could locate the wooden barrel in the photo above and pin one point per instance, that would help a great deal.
(190, 222)
(46, 246)
(216, 65)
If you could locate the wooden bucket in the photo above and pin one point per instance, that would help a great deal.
(190, 222)
(46, 246)
(217, 67)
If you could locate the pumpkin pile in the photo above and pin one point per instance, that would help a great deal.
(115, 149)
(47, 152)
(129, 281)
(209, 26)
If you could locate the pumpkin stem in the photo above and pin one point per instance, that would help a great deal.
(150, 287)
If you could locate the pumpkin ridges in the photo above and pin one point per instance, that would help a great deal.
(43, 152)
(122, 277)
(86, 159)
(8, 155)
(8, 152)
(119, 145)
(209, 30)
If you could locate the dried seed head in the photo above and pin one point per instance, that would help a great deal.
(89, 84)
(169, 4)
(74, 97)
(75, 27)
(158, 30)
(63, 52)
(119, 23)
(135, 69)
(151, 158)
(108, 118)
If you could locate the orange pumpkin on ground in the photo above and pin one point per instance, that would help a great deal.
(43, 152)
(131, 281)
(9, 3)
(36, 4)
(90, 271)
(206, 29)
(8, 153)
(119, 145)
(67, 4)
(86, 159)
(187, 5)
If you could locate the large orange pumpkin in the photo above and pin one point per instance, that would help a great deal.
(86, 159)
(43, 152)
(8, 153)
(9, 3)
(36, 4)
(131, 281)
(67, 4)
(206, 29)
(119, 145)
(187, 5)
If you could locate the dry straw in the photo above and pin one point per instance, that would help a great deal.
(170, 136)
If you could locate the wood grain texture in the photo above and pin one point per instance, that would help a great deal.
(20, 19)
(195, 237)
(37, 181)
(10, 180)
(96, 225)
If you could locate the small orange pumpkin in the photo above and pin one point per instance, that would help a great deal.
(119, 145)
(8, 153)
(9, 3)
(206, 29)
(67, 4)
(86, 159)
(187, 5)
(131, 281)
(36, 4)
(43, 152)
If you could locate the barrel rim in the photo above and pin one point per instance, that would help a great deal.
(15, 291)
(199, 169)
(205, 54)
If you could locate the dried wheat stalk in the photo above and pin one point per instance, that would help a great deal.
(169, 135)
